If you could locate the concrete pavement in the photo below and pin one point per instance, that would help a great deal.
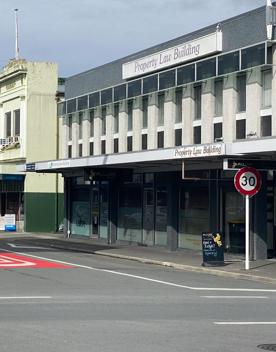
(188, 260)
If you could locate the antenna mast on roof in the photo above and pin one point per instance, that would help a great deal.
(16, 35)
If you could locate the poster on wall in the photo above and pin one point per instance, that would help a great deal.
(10, 222)
(80, 219)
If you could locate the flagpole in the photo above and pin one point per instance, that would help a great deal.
(16, 35)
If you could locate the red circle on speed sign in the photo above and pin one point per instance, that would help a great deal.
(248, 181)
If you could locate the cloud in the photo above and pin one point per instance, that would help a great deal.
(82, 34)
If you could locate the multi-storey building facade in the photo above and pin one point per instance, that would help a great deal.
(144, 140)
(28, 132)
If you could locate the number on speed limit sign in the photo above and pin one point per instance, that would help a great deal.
(248, 181)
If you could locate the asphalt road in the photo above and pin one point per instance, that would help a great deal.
(97, 303)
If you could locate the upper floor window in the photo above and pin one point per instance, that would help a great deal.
(241, 93)
(17, 122)
(80, 124)
(116, 118)
(70, 121)
(103, 122)
(178, 103)
(161, 103)
(91, 118)
(266, 88)
(8, 123)
(197, 99)
(218, 97)
(266, 127)
(129, 115)
(145, 104)
(241, 129)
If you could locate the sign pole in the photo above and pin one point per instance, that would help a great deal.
(247, 219)
(248, 182)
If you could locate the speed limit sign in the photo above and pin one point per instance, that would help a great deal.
(248, 181)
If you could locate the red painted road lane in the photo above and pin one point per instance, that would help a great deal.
(12, 261)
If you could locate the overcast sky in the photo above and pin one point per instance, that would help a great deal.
(82, 34)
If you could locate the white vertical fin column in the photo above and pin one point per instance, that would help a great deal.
(169, 118)
(137, 123)
(152, 121)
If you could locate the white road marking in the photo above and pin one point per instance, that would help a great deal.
(245, 322)
(25, 297)
(225, 289)
(6, 261)
(13, 245)
(236, 297)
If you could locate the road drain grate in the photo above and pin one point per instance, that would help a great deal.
(267, 347)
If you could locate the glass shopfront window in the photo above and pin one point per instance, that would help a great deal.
(104, 209)
(161, 215)
(193, 216)
(130, 211)
(80, 221)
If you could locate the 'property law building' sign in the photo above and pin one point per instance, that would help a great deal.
(200, 151)
(203, 46)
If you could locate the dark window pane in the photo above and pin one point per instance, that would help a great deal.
(61, 108)
(240, 129)
(80, 149)
(197, 135)
(145, 104)
(69, 151)
(129, 143)
(120, 92)
(185, 74)
(197, 99)
(167, 79)
(228, 63)
(106, 96)
(178, 136)
(71, 105)
(241, 93)
(17, 122)
(91, 148)
(116, 145)
(82, 102)
(94, 100)
(150, 84)
(8, 124)
(266, 126)
(217, 131)
(144, 141)
(160, 139)
(102, 147)
(206, 69)
(134, 88)
(253, 56)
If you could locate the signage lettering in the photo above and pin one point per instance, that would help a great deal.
(200, 47)
(200, 151)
